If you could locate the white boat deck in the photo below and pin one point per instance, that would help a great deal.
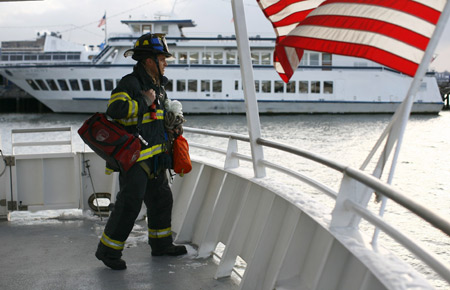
(59, 254)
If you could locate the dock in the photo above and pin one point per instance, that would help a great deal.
(15, 100)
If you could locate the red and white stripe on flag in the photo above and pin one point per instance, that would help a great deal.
(394, 33)
(285, 15)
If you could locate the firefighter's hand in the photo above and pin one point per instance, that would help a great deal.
(149, 96)
(178, 130)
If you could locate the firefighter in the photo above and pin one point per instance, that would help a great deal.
(138, 103)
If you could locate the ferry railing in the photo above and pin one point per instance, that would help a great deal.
(231, 155)
(362, 177)
(34, 143)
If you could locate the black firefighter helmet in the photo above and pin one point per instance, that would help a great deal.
(150, 44)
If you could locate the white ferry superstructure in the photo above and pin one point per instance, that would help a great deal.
(205, 77)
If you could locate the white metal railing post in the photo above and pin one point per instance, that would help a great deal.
(251, 104)
(230, 160)
(350, 189)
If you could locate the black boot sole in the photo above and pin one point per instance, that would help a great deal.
(115, 264)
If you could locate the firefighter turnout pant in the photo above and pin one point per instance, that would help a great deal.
(135, 187)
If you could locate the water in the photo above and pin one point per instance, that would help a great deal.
(423, 169)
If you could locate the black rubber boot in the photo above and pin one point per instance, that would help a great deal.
(111, 260)
(171, 250)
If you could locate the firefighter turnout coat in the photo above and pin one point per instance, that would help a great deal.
(146, 180)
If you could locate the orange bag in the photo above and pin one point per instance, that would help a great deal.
(181, 159)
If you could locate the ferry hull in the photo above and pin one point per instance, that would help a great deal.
(381, 94)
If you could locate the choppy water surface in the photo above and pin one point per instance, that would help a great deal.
(423, 169)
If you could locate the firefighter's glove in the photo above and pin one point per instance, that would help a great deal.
(149, 97)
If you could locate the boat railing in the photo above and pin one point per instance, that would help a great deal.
(102, 54)
(346, 203)
(57, 136)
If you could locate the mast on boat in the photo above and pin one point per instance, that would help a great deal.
(251, 104)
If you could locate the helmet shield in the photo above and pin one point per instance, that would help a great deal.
(149, 45)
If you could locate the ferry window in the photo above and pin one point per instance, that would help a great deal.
(218, 57)
(63, 85)
(192, 85)
(45, 57)
(182, 57)
(265, 58)
(205, 85)
(16, 57)
(42, 85)
(30, 57)
(165, 29)
(181, 85)
(236, 85)
(169, 86)
(217, 86)
(194, 58)
(207, 57)
(314, 59)
(52, 85)
(290, 87)
(303, 87)
(97, 84)
(108, 84)
(86, 84)
(5, 57)
(304, 60)
(257, 86)
(74, 85)
(73, 56)
(59, 56)
(255, 57)
(231, 57)
(266, 86)
(279, 86)
(326, 59)
(146, 29)
(33, 85)
(315, 87)
(328, 87)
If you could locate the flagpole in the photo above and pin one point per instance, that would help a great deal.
(402, 113)
(251, 105)
(420, 73)
(106, 33)
(405, 110)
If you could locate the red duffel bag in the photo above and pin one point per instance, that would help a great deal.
(111, 142)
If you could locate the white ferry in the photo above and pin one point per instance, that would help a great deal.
(205, 75)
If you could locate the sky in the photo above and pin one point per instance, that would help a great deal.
(77, 21)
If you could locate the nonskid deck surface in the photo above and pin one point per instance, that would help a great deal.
(59, 254)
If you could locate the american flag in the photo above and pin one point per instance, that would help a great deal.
(394, 33)
(102, 21)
